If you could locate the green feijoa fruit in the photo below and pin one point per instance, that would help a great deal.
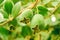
(1, 1)
(8, 6)
(16, 8)
(26, 30)
(28, 13)
(37, 19)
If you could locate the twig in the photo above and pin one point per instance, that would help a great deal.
(29, 7)
(33, 4)
(56, 8)
(7, 21)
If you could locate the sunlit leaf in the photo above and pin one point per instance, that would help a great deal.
(8, 6)
(4, 31)
(1, 17)
(5, 15)
(16, 8)
(45, 1)
(26, 31)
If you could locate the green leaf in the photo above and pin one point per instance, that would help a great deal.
(1, 17)
(16, 9)
(5, 15)
(4, 31)
(13, 22)
(25, 1)
(37, 19)
(46, 1)
(8, 6)
(1, 4)
(56, 30)
(58, 10)
(57, 17)
(28, 14)
(15, 1)
(1, 1)
(3, 37)
(26, 30)
(42, 10)
(49, 38)
(20, 38)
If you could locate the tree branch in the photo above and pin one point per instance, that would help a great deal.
(29, 7)
(7, 21)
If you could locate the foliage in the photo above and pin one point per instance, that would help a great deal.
(29, 19)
